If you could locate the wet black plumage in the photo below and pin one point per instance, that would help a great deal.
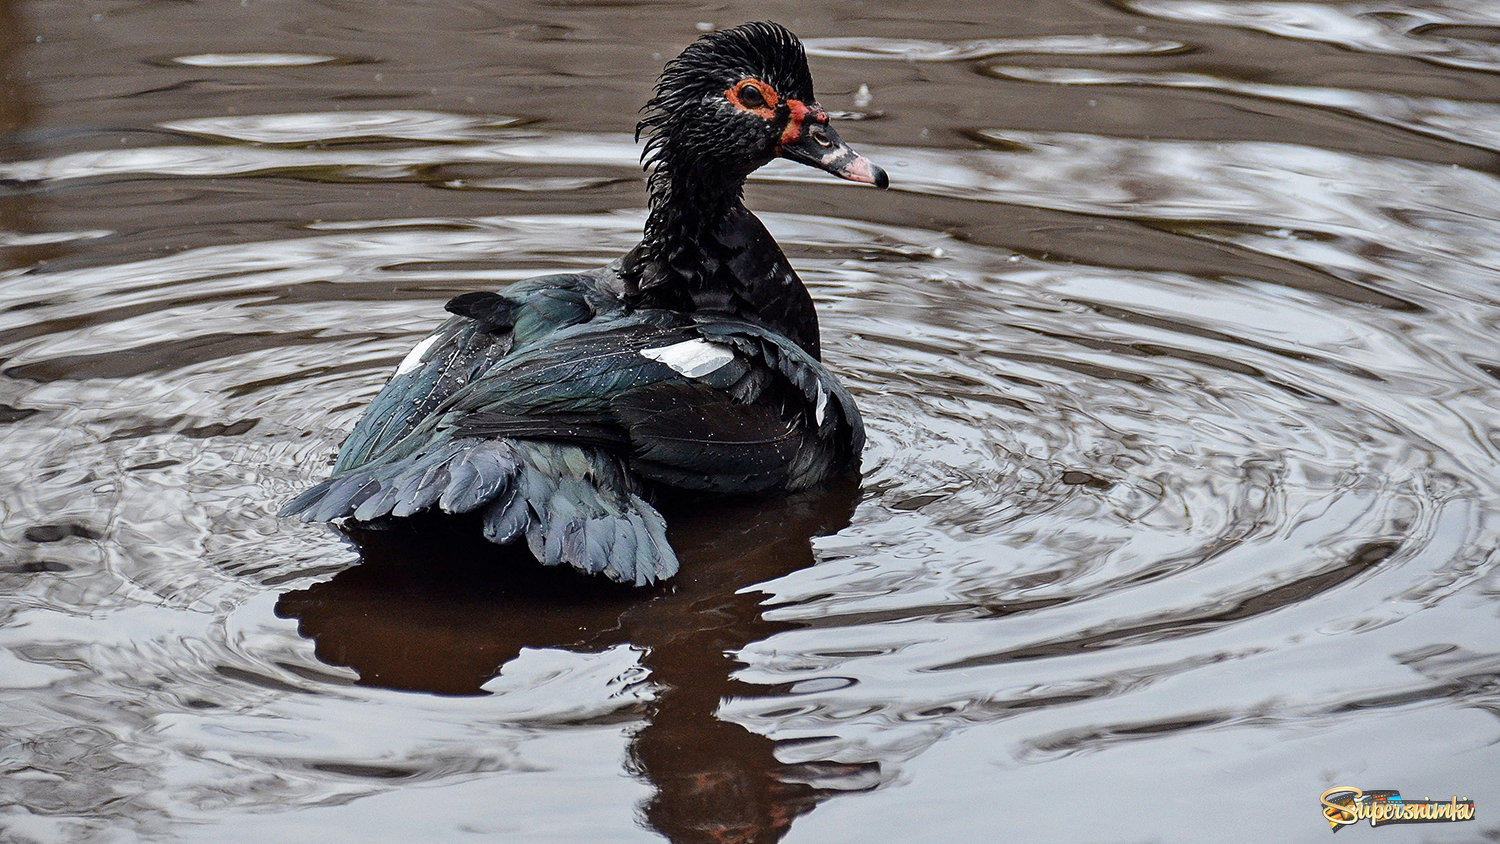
(555, 407)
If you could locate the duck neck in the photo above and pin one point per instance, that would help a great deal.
(704, 252)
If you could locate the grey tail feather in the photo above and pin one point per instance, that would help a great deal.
(574, 505)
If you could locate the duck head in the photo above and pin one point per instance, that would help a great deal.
(734, 100)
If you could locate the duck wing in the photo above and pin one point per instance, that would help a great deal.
(485, 328)
(552, 441)
(698, 404)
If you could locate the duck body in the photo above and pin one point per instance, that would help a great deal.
(556, 407)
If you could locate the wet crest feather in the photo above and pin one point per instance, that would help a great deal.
(700, 74)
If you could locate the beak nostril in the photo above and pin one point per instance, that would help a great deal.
(820, 136)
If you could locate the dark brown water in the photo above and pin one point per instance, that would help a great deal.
(1178, 338)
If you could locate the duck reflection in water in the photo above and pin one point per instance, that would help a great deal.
(441, 610)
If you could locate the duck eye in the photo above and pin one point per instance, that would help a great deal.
(751, 97)
(820, 135)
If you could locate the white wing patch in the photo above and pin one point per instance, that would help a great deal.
(822, 405)
(413, 358)
(693, 358)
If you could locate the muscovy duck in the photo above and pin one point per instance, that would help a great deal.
(555, 406)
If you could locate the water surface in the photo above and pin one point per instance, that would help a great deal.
(1175, 336)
